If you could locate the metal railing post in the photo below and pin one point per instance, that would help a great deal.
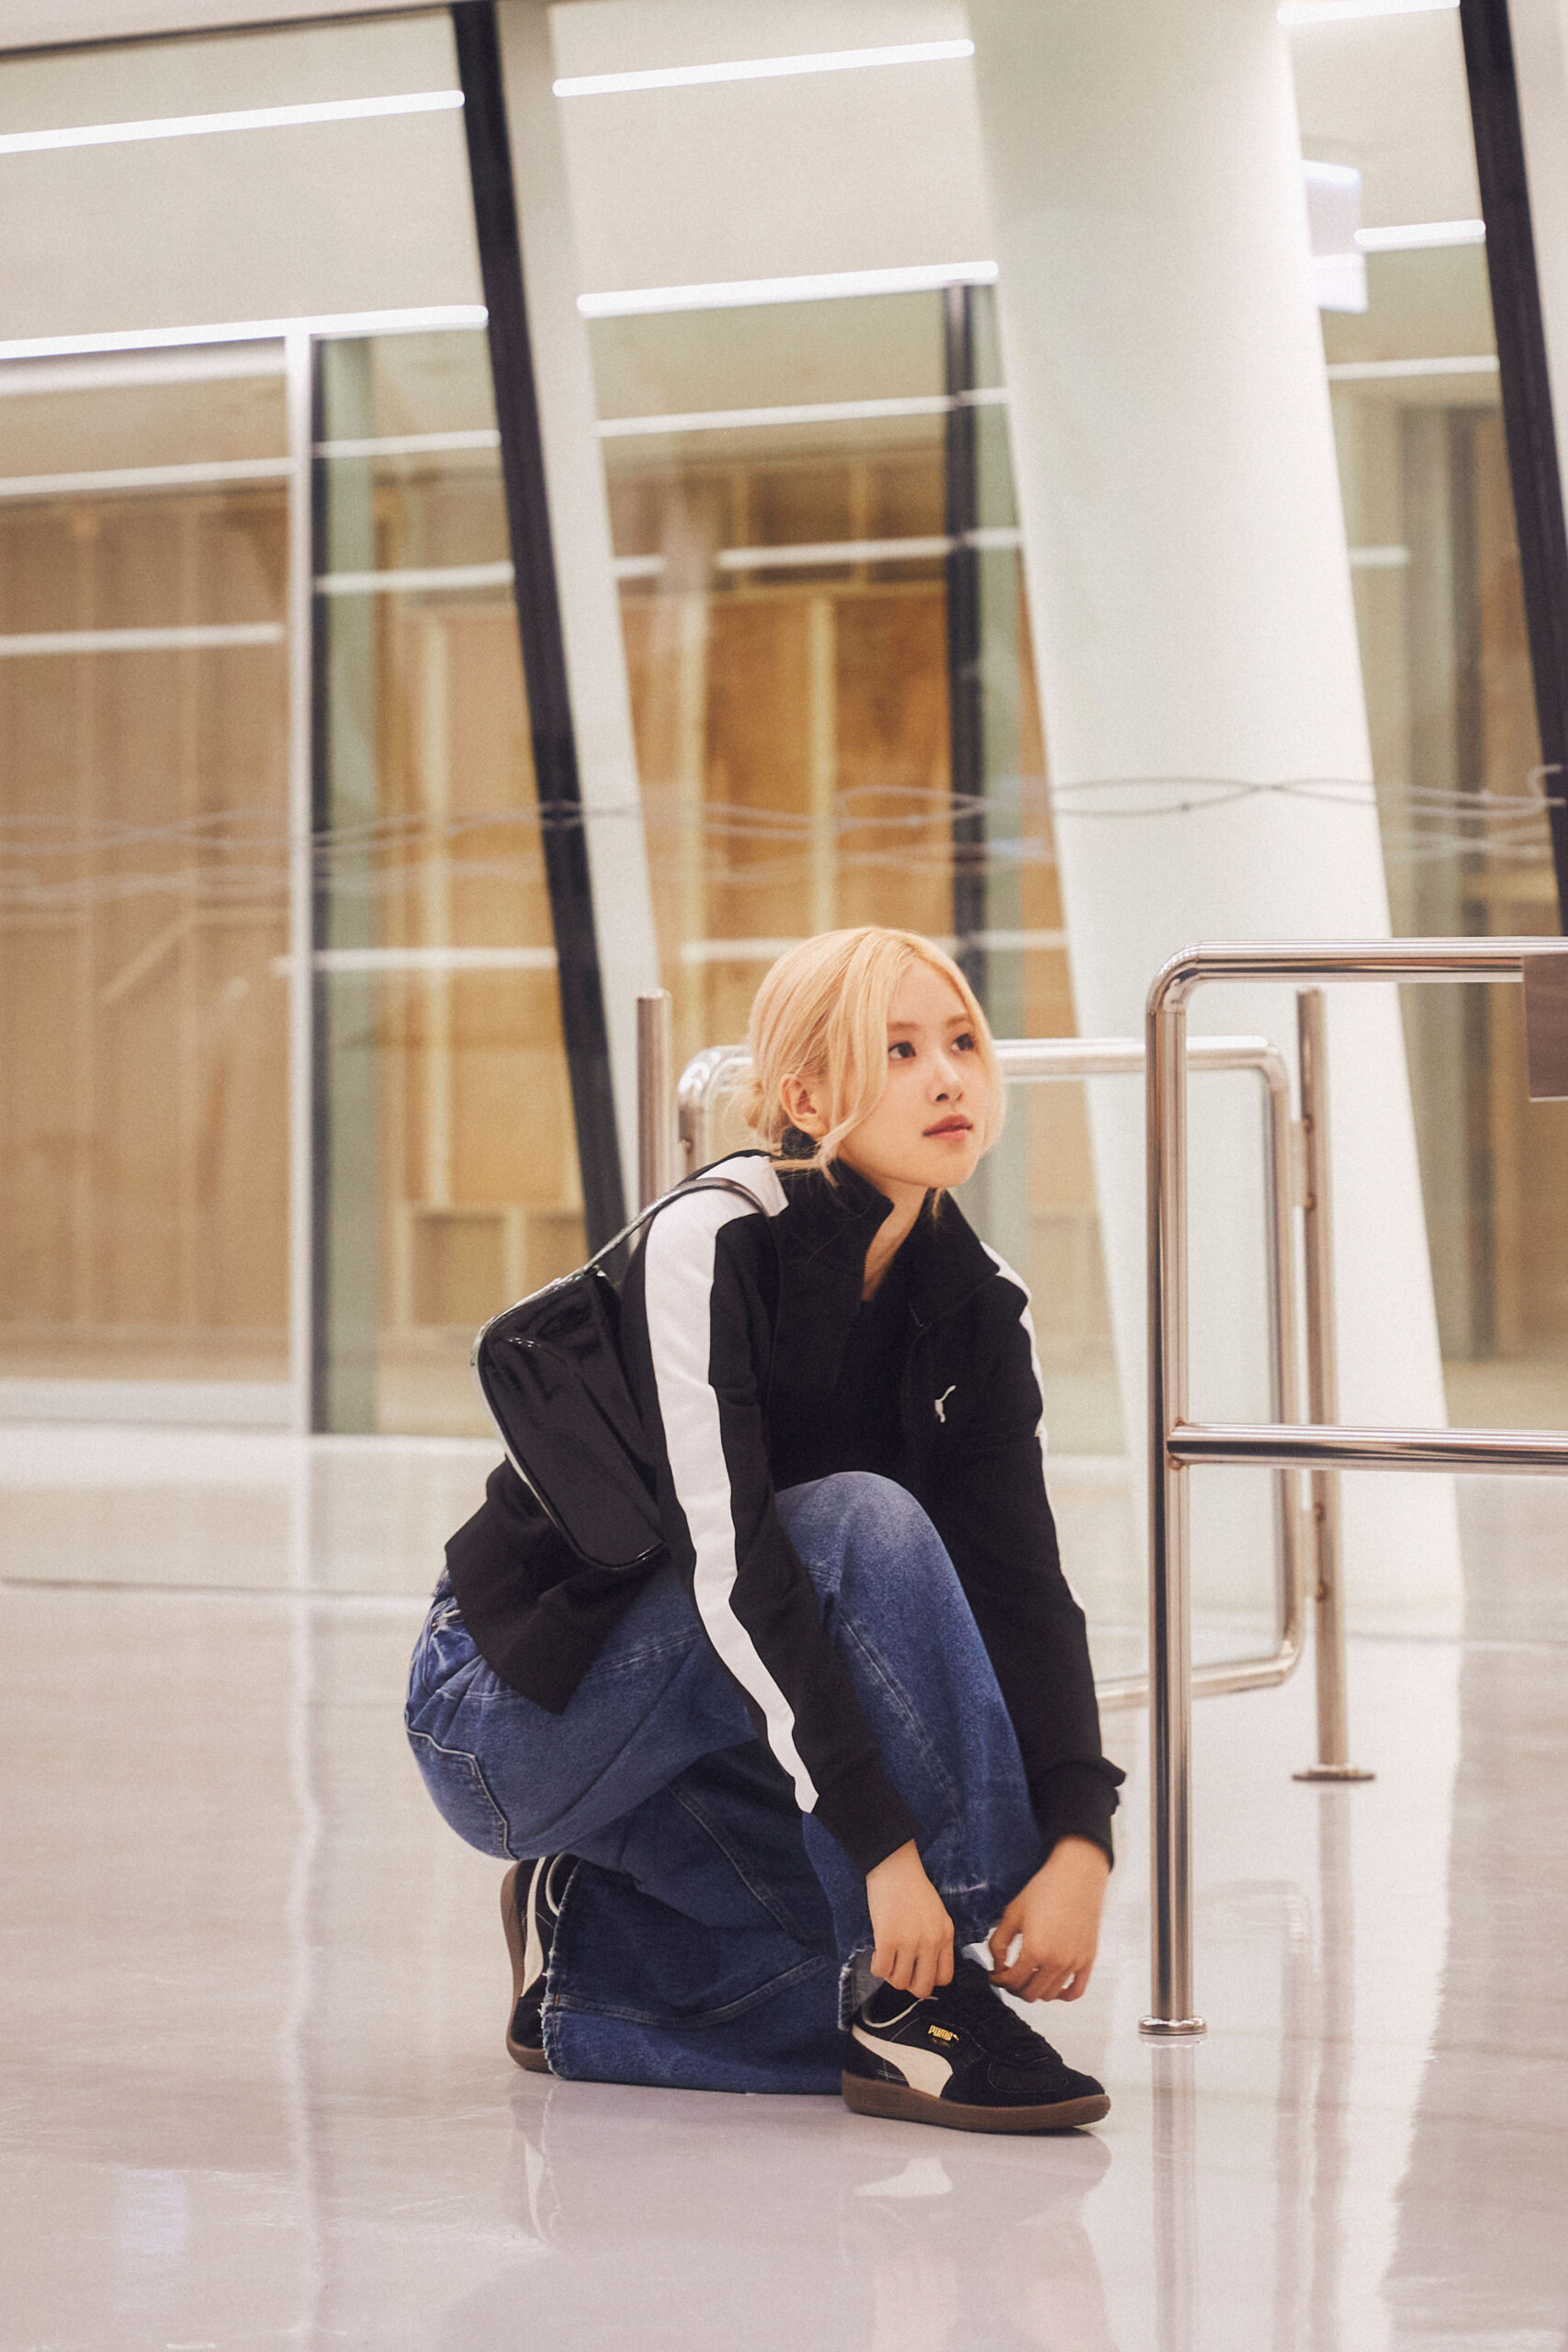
(1322, 1398)
(1310, 1446)
(654, 1096)
(1171, 1612)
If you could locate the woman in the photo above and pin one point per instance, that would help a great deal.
(757, 1794)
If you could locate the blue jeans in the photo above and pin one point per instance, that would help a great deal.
(703, 1937)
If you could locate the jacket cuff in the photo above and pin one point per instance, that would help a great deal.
(1078, 1801)
(864, 1813)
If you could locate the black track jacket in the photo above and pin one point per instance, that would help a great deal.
(733, 1326)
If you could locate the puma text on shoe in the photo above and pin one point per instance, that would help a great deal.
(962, 2059)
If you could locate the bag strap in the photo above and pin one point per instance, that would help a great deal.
(696, 1184)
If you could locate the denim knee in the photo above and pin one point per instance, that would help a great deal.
(861, 1526)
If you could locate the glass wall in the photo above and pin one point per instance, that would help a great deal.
(150, 657)
(1413, 369)
(143, 873)
(447, 1168)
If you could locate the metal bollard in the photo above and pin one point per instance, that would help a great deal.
(1322, 1398)
(655, 1097)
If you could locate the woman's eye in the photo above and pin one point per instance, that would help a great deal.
(964, 1045)
(904, 1048)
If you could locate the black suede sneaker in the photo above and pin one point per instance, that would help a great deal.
(530, 1904)
(962, 2059)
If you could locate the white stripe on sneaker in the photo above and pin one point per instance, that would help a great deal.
(532, 1949)
(921, 2069)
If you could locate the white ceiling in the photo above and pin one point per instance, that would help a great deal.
(1388, 95)
(760, 180)
(41, 23)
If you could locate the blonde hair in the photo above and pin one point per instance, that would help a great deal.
(822, 1014)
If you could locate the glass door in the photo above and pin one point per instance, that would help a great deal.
(446, 1161)
(143, 884)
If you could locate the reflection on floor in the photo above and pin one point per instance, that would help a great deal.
(254, 1995)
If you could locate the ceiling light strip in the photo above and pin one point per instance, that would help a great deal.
(449, 579)
(1388, 371)
(143, 640)
(433, 579)
(112, 478)
(436, 319)
(429, 959)
(803, 554)
(1417, 236)
(697, 952)
(742, 293)
(762, 69)
(806, 554)
(725, 420)
(410, 444)
(1333, 12)
(240, 363)
(204, 126)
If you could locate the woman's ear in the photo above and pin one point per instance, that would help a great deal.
(800, 1110)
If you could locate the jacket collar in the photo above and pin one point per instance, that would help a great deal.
(947, 1262)
(832, 1223)
(832, 1220)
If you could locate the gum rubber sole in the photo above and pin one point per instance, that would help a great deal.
(521, 2053)
(898, 2102)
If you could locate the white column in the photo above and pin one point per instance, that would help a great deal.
(1191, 614)
(580, 527)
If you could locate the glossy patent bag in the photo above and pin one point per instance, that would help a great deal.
(552, 1375)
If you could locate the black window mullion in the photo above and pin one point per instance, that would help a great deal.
(565, 844)
(1527, 420)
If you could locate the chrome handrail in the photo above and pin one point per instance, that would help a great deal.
(718, 1068)
(1176, 1443)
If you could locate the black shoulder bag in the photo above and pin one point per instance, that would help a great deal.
(551, 1372)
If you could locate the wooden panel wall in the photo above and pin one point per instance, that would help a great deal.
(479, 1164)
(142, 1029)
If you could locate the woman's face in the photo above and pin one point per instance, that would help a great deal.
(928, 1128)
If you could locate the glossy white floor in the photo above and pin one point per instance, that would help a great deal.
(254, 1992)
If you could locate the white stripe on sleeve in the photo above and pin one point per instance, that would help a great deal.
(1027, 1320)
(678, 1272)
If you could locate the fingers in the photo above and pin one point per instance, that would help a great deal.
(1003, 1936)
(1036, 1975)
(884, 1963)
(933, 1965)
(917, 1968)
(922, 1981)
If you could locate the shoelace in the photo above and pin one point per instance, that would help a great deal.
(974, 2001)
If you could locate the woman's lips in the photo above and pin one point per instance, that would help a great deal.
(951, 1127)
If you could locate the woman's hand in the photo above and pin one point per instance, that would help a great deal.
(914, 1935)
(1055, 1921)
